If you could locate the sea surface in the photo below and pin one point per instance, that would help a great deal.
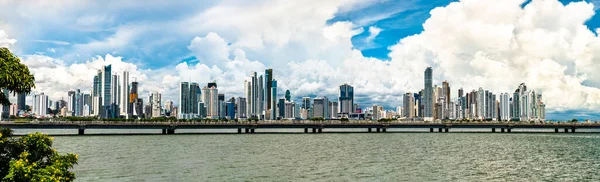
(336, 157)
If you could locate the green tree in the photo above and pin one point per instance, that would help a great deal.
(32, 158)
(14, 76)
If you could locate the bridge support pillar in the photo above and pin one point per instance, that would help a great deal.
(378, 130)
(81, 131)
(246, 130)
(446, 130)
(252, 130)
(566, 130)
(572, 130)
(239, 130)
(508, 130)
(384, 130)
(501, 130)
(369, 130)
(320, 130)
(305, 130)
(164, 131)
(440, 130)
(171, 131)
(555, 130)
(430, 129)
(493, 130)
(314, 130)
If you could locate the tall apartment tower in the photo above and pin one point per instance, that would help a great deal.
(346, 100)
(428, 95)
(125, 89)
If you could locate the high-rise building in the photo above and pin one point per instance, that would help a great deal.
(268, 85)
(5, 109)
(41, 105)
(222, 110)
(78, 103)
(211, 100)
(289, 112)
(194, 97)
(428, 95)
(230, 109)
(408, 102)
(288, 96)
(21, 98)
(346, 100)
(71, 103)
(168, 108)
(281, 108)
(376, 112)
(241, 108)
(446, 96)
(306, 102)
(106, 97)
(133, 100)
(321, 107)
(125, 94)
(155, 103)
(273, 99)
(248, 92)
(333, 110)
(184, 99)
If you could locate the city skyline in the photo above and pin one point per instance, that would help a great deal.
(379, 59)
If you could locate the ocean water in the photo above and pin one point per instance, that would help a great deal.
(336, 157)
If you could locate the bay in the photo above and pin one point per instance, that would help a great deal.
(336, 157)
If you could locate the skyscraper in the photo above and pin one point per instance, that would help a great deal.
(184, 99)
(105, 92)
(194, 96)
(155, 103)
(288, 96)
(346, 100)
(133, 98)
(125, 93)
(241, 108)
(211, 100)
(21, 98)
(428, 95)
(408, 102)
(268, 85)
(273, 99)
(446, 95)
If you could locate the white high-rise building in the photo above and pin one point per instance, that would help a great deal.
(504, 107)
(480, 104)
(211, 99)
(41, 102)
(125, 89)
(155, 103)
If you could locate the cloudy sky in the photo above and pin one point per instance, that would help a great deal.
(381, 47)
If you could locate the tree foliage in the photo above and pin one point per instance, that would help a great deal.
(32, 158)
(14, 76)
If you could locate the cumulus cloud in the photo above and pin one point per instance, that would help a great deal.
(5, 41)
(373, 32)
(472, 43)
(211, 49)
(498, 44)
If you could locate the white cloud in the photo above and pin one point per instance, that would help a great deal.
(211, 49)
(5, 41)
(471, 43)
(498, 44)
(373, 32)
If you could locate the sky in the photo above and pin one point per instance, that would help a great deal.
(381, 47)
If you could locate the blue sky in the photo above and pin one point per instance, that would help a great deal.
(379, 46)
